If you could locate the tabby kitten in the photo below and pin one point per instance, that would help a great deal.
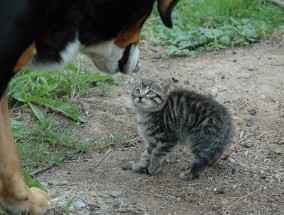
(166, 118)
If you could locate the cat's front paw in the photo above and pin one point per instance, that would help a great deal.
(153, 168)
(138, 168)
(187, 175)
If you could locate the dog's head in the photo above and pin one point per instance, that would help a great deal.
(111, 31)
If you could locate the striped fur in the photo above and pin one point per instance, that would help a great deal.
(167, 117)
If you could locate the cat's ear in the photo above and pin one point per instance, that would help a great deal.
(167, 83)
(136, 80)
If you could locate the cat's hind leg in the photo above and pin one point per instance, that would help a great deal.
(197, 167)
(158, 154)
(202, 160)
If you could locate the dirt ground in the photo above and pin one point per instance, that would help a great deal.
(248, 80)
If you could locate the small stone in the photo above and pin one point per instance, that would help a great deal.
(248, 144)
(175, 80)
(263, 177)
(79, 204)
(250, 122)
(252, 112)
(234, 52)
(186, 82)
(219, 190)
(114, 194)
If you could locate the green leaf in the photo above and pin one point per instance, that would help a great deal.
(37, 112)
(17, 127)
(71, 67)
(33, 182)
(19, 97)
(63, 107)
(225, 40)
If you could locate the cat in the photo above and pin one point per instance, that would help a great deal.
(168, 117)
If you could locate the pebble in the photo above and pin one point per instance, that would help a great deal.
(263, 177)
(250, 121)
(278, 151)
(186, 82)
(248, 144)
(252, 112)
(79, 204)
(114, 194)
(219, 190)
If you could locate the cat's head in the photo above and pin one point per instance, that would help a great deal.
(150, 96)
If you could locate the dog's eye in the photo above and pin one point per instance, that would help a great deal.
(137, 91)
(150, 93)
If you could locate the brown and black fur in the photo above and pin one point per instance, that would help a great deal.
(40, 31)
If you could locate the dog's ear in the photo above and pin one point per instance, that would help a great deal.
(165, 8)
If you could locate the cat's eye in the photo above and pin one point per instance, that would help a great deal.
(150, 93)
(137, 91)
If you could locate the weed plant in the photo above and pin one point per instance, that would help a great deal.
(205, 25)
(41, 143)
(54, 89)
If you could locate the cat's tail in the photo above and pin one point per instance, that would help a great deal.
(215, 150)
(210, 154)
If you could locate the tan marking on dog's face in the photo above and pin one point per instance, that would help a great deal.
(130, 35)
(25, 57)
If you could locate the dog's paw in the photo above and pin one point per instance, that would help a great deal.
(36, 203)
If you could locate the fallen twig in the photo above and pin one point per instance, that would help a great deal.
(52, 164)
(237, 202)
(106, 154)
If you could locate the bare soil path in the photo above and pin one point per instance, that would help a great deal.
(248, 80)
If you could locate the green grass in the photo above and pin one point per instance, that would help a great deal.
(205, 25)
(55, 89)
(40, 139)
(41, 143)
(117, 137)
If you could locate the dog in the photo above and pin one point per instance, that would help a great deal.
(48, 34)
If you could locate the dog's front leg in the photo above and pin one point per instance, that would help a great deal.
(17, 197)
